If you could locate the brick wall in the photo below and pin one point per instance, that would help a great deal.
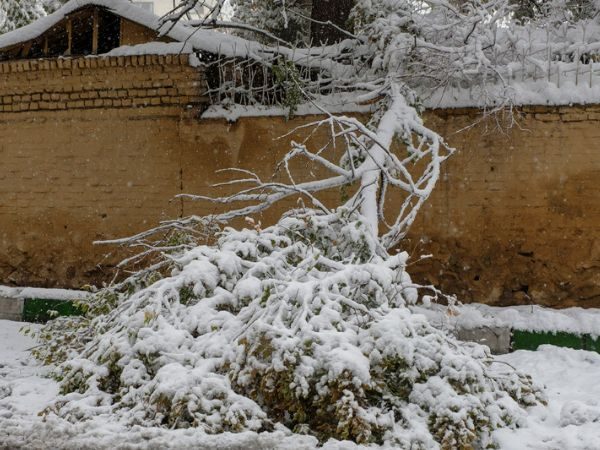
(515, 218)
(84, 83)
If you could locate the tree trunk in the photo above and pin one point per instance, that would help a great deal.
(334, 11)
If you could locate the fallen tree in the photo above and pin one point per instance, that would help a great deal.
(304, 324)
(307, 324)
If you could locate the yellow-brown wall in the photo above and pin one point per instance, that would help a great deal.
(97, 148)
(516, 218)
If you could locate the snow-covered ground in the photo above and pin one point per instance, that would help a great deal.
(571, 420)
(23, 388)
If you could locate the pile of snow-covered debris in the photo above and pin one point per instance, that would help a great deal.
(569, 420)
(303, 325)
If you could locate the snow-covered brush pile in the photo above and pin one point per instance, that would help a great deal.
(303, 325)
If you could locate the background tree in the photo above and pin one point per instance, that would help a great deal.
(18, 13)
(297, 22)
(287, 20)
(567, 10)
(330, 18)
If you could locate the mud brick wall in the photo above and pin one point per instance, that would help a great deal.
(97, 148)
(516, 217)
(84, 83)
(89, 149)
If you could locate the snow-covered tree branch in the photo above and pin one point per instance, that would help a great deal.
(370, 162)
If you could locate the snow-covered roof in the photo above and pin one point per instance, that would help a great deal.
(196, 39)
(192, 39)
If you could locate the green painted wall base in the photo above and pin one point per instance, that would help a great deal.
(529, 340)
(42, 310)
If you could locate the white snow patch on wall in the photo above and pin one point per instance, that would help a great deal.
(335, 104)
(540, 92)
(525, 318)
(43, 293)
(151, 48)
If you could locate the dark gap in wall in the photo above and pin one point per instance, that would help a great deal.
(109, 32)
(82, 35)
(58, 41)
(37, 49)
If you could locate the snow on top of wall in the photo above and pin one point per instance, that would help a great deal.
(8, 292)
(335, 104)
(524, 318)
(42, 293)
(197, 39)
(152, 48)
(156, 48)
(540, 92)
